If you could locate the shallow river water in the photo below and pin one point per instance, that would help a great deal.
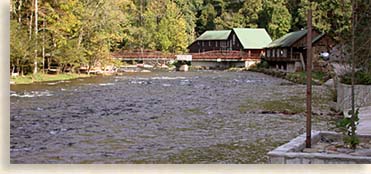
(164, 117)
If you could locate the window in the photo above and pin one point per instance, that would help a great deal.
(223, 44)
(277, 52)
(234, 39)
(284, 53)
(216, 43)
(209, 43)
(268, 53)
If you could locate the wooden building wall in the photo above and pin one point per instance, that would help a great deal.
(232, 43)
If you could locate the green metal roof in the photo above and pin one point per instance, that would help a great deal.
(288, 39)
(253, 38)
(215, 35)
(318, 37)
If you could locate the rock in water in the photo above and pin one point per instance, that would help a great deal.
(183, 68)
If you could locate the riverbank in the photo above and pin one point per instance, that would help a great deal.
(39, 77)
(318, 78)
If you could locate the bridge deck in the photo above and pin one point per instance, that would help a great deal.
(204, 56)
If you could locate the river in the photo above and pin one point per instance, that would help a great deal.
(160, 117)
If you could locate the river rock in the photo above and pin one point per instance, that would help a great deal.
(184, 68)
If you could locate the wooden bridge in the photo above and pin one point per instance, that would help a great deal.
(218, 55)
(139, 55)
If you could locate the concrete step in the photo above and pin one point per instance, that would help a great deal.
(364, 127)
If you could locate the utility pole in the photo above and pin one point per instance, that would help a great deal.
(353, 62)
(309, 78)
(141, 25)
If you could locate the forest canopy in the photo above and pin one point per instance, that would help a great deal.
(84, 32)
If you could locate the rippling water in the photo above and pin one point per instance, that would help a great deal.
(193, 117)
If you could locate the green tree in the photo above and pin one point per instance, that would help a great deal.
(218, 5)
(293, 7)
(21, 48)
(229, 20)
(332, 17)
(188, 9)
(166, 28)
(250, 13)
(275, 17)
(206, 19)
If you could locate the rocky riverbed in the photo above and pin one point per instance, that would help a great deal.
(163, 117)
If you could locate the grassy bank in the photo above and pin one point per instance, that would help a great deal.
(361, 78)
(27, 79)
(301, 77)
(318, 78)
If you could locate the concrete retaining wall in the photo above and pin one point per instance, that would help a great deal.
(362, 96)
(290, 153)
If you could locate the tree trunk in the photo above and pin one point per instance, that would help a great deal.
(19, 11)
(36, 32)
(21, 69)
(48, 66)
(30, 26)
(353, 62)
(89, 69)
(80, 39)
(43, 49)
(13, 69)
(18, 66)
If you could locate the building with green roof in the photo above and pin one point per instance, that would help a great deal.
(250, 41)
(288, 53)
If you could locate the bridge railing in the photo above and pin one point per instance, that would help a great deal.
(230, 54)
(142, 54)
(216, 54)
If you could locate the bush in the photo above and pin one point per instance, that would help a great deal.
(361, 78)
(262, 64)
(301, 77)
(348, 125)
